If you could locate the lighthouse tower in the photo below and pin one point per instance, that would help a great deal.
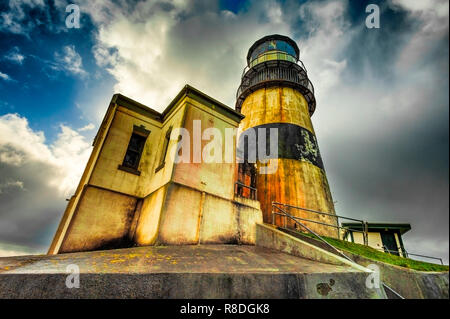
(275, 93)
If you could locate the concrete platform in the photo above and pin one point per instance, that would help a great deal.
(203, 271)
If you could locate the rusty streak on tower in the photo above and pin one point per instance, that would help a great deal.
(275, 92)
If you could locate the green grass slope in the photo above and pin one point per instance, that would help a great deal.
(377, 255)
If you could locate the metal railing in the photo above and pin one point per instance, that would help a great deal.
(294, 219)
(272, 71)
(294, 75)
(406, 254)
(364, 224)
(239, 190)
(287, 215)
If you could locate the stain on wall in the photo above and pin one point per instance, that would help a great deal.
(102, 221)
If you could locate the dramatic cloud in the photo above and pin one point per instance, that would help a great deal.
(36, 177)
(10, 184)
(168, 45)
(383, 130)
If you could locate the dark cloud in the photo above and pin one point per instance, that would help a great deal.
(29, 214)
(386, 153)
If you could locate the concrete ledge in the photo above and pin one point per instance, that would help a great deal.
(269, 237)
(195, 271)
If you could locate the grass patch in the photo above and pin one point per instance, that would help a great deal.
(377, 255)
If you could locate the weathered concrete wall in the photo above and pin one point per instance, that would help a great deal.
(214, 178)
(191, 216)
(180, 217)
(73, 202)
(148, 218)
(249, 215)
(219, 222)
(102, 221)
(410, 284)
(106, 173)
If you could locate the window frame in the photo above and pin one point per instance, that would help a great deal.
(165, 148)
(140, 131)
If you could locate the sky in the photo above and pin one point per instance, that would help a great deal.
(382, 117)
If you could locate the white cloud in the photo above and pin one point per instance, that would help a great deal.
(88, 127)
(153, 50)
(434, 24)
(70, 61)
(329, 33)
(5, 77)
(10, 184)
(36, 176)
(16, 20)
(15, 56)
(8, 250)
(19, 145)
(438, 7)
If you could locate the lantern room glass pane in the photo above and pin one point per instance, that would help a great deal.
(272, 45)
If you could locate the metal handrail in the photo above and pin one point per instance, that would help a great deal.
(364, 227)
(330, 245)
(408, 253)
(363, 223)
(312, 232)
(393, 291)
(253, 190)
(316, 211)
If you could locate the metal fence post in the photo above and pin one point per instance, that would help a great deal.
(339, 229)
(366, 233)
(273, 213)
